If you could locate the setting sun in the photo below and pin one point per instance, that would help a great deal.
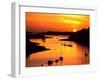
(74, 30)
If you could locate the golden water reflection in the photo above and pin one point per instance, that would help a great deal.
(72, 55)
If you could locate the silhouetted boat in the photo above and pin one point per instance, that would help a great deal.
(42, 65)
(86, 54)
(61, 58)
(50, 62)
(57, 60)
(68, 45)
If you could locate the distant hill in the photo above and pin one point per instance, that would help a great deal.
(35, 35)
(81, 36)
(57, 33)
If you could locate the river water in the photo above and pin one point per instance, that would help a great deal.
(72, 52)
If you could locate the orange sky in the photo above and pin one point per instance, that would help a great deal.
(43, 22)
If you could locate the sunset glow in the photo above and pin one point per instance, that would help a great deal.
(41, 22)
(54, 39)
(74, 30)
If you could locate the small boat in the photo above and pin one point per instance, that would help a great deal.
(86, 54)
(61, 58)
(57, 60)
(67, 45)
(42, 65)
(50, 62)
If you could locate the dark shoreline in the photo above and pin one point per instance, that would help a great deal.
(32, 47)
(81, 37)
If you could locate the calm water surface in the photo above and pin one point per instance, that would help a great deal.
(72, 55)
